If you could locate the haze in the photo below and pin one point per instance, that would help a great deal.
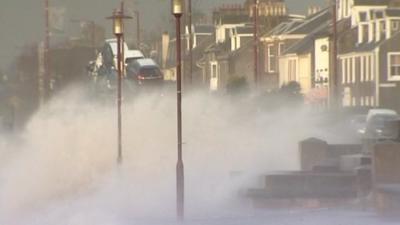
(21, 22)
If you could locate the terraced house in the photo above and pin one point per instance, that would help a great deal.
(369, 54)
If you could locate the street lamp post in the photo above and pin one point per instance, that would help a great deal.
(333, 80)
(118, 27)
(255, 36)
(177, 11)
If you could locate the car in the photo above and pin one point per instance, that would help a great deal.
(132, 55)
(381, 125)
(144, 72)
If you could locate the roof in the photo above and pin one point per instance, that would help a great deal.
(373, 112)
(370, 2)
(301, 46)
(284, 27)
(146, 62)
(114, 46)
(392, 12)
(311, 22)
(133, 54)
(368, 46)
(204, 29)
(306, 44)
(306, 26)
(244, 30)
(231, 19)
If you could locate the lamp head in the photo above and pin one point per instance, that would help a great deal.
(177, 7)
(118, 24)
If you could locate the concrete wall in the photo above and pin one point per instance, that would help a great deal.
(386, 163)
(315, 152)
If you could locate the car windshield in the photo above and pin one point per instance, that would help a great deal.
(131, 60)
(379, 120)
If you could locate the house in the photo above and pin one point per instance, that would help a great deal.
(289, 50)
(203, 35)
(232, 54)
(369, 55)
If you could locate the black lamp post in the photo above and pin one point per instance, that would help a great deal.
(177, 10)
(118, 28)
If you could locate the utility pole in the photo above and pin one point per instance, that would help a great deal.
(122, 46)
(93, 26)
(190, 42)
(137, 13)
(255, 35)
(133, 11)
(333, 80)
(47, 76)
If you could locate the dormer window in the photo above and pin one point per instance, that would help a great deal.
(383, 30)
(365, 33)
(363, 16)
(379, 15)
(395, 25)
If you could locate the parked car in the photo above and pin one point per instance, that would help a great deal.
(144, 72)
(379, 125)
(132, 55)
(358, 122)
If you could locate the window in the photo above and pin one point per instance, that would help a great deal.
(344, 70)
(374, 37)
(362, 69)
(371, 68)
(353, 70)
(364, 33)
(395, 25)
(281, 48)
(271, 58)
(357, 69)
(379, 15)
(292, 69)
(363, 16)
(214, 70)
(382, 30)
(394, 66)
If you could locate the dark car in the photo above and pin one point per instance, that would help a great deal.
(381, 125)
(145, 72)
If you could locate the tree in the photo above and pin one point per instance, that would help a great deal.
(237, 86)
(291, 92)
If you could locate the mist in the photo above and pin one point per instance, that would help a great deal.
(62, 168)
(23, 21)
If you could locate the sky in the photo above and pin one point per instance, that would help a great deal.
(22, 21)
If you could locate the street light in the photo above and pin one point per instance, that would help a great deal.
(118, 28)
(255, 36)
(177, 10)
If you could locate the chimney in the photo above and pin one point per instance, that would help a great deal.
(313, 9)
(165, 48)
